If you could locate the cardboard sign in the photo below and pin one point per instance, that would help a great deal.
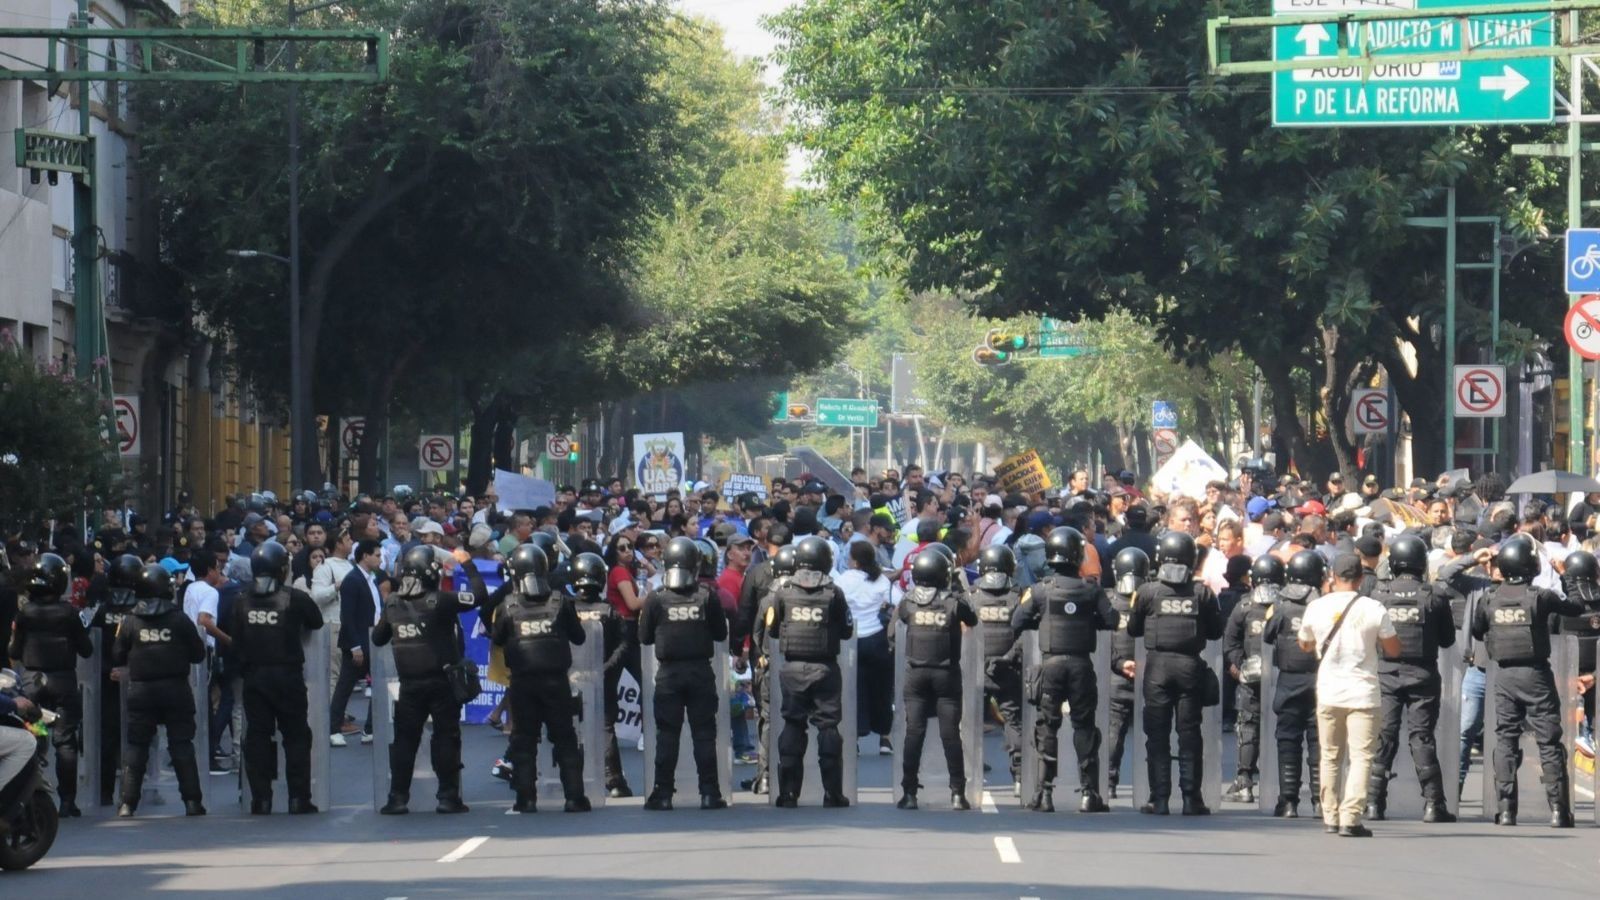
(522, 492)
(744, 484)
(658, 463)
(1188, 472)
(1023, 473)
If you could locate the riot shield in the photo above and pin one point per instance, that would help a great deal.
(1267, 788)
(90, 728)
(1530, 789)
(1210, 735)
(385, 692)
(811, 784)
(1404, 796)
(588, 696)
(685, 773)
(315, 672)
(200, 685)
(933, 772)
(1066, 758)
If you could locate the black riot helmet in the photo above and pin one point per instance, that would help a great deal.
(1581, 567)
(48, 576)
(813, 554)
(783, 561)
(589, 574)
(155, 583)
(930, 570)
(682, 562)
(1408, 555)
(530, 570)
(1175, 557)
(708, 558)
(943, 550)
(419, 571)
(1063, 550)
(1307, 568)
(997, 565)
(1267, 569)
(124, 572)
(269, 567)
(546, 541)
(1131, 566)
(1517, 559)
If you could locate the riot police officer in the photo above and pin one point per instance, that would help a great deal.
(1513, 621)
(779, 569)
(994, 598)
(122, 577)
(1411, 684)
(684, 620)
(809, 617)
(1294, 699)
(1176, 617)
(1241, 652)
(933, 615)
(587, 575)
(1580, 579)
(158, 644)
(48, 635)
(537, 630)
(1130, 569)
(269, 624)
(423, 622)
(1067, 611)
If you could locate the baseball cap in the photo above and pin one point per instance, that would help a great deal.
(1311, 508)
(813, 487)
(481, 535)
(428, 526)
(620, 524)
(1370, 479)
(1346, 567)
(1369, 545)
(737, 538)
(992, 501)
(172, 566)
(1258, 506)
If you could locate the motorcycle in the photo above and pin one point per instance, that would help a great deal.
(28, 815)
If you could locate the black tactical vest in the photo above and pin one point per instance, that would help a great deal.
(806, 632)
(158, 649)
(933, 631)
(1255, 622)
(1068, 615)
(1516, 635)
(535, 646)
(683, 634)
(271, 632)
(422, 640)
(1286, 653)
(1409, 601)
(50, 627)
(1172, 623)
(994, 617)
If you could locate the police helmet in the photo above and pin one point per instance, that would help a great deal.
(530, 570)
(1408, 555)
(708, 558)
(997, 564)
(814, 554)
(419, 571)
(1063, 549)
(943, 550)
(1517, 559)
(930, 569)
(589, 572)
(783, 561)
(48, 576)
(125, 571)
(1581, 566)
(682, 562)
(1307, 568)
(1175, 557)
(1131, 566)
(546, 541)
(155, 583)
(1267, 569)
(269, 566)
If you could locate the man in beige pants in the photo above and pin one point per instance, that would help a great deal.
(1347, 631)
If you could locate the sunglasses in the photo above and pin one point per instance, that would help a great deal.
(651, 545)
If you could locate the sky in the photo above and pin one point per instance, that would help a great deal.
(740, 19)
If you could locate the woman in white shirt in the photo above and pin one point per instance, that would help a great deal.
(867, 590)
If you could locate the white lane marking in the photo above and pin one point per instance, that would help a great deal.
(1027, 898)
(987, 804)
(407, 898)
(1007, 848)
(467, 846)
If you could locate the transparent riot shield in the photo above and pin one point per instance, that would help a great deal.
(1530, 789)
(315, 672)
(588, 696)
(1066, 758)
(1564, 666)
(1210, 735)
(1267, 788)
(200, 686)
(933, 772)
(385, 692)
(811, 784)
(90, 727)
(685, 775)
(1404, 796)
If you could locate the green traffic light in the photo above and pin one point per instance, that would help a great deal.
(1019, 341)
(572, 457)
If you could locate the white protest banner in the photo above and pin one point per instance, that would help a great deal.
(658, 462)
(522, 492)
(744, 484)
(1188, 472)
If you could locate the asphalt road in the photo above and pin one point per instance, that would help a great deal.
(751, 850)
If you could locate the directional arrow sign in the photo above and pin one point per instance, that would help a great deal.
(1397, 90)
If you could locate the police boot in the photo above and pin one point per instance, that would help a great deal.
(1377, 797)
(660, 800)
(1241, 791)
(1555, 789)
(1043, 800)
(619, 791)
(1111, 783)
(572, 785)
(398, 805)
(69, 807)
(1314, 777)
(1288, 806)
(1506, 813)
(450, 794)
(301, 806)
(193, 808)
(908, 799)
(958, 797)
(833, 783)
(789, 781)
(1091, 802)
(527, 802)
(708, 801)
(132, 786)
(1434, 809)
(260, 804)
(1194, 803)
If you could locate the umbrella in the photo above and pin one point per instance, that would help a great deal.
(1553, 482)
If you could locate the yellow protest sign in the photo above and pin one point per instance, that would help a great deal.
(1022, 473)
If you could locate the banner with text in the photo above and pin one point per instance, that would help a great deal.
(744, 484)
(1188, 472)
(658, 463)
(1023, 473)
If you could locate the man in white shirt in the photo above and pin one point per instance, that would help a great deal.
(1347, 631)
(200, 598)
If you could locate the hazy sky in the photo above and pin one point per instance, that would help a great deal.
(740, 19)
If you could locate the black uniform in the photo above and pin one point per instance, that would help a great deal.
(809, 623)
(537, 634)
(1513, 621)
(1241, 649)
(426, 633)
(613, 648)
(1176, 621)
(268, 631)
(158, 644)
(1119, 718)
(684, 627)
(107, 618)
(1067, 611)
(1411, 685)
(932, 687)
(754, 593)
(1002, 654)
(48, 639)
(1294, 699)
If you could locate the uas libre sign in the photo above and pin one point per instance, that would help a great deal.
(1023, 473)
(658, 462)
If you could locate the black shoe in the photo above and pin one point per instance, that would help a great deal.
(577, 804)
(125, 811)
(958, 800)
(1376, 810)
(787, 801)
(1111, 787)
(1158, 806)
(1355, 831)
(756, 785)
(261, 807)
(712, 801)
(619, 792)
(1561, 817)
(835, 801)
(1330, 829)
(70, 810)
(1043, 801)
(1508, 819)
(1435, 811)
(450, 806)
(1287, 809)
(908, 800)
(1091, 803)
(658, 801)
(526, 804)
(1241, 791)
(302, 807)
(193, 808)
(398, 805)
(1195, 805)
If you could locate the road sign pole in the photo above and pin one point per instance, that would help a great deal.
(1577, 457)
(1449, 328)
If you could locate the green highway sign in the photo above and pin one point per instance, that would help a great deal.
(847, 412)
(780, 406)
(1406, 92)
(1062, 340)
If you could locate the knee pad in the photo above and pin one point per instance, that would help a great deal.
(830, 743)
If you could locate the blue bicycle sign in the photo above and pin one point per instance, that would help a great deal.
(1583, 260)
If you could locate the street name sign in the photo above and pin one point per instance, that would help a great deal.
(847, 412)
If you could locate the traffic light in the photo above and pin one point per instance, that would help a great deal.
(799, 411)
(572, 452)
(987, 356)
(1006, 342)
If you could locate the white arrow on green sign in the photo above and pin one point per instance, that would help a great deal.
(847, 412)
(1404, 92)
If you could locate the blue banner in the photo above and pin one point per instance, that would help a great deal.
(477, 712)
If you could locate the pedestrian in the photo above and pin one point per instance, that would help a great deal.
(1348, 632)
(867, 591)
(359, 601)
